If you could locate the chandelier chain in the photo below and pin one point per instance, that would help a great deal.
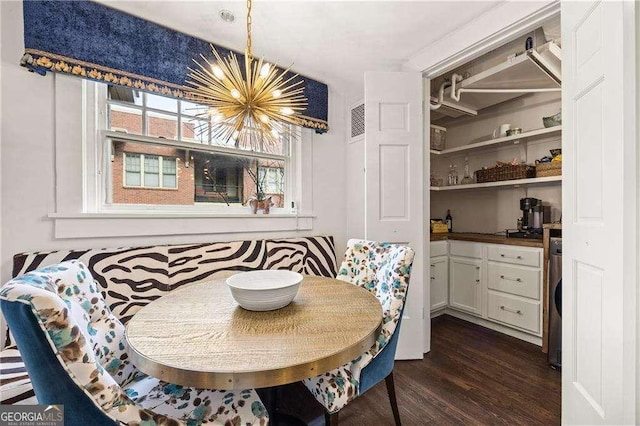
(249, 54)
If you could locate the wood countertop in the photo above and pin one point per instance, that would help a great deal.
(486, 238)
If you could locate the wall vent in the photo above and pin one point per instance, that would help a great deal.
(357, 121)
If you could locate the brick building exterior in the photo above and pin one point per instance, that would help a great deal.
(183, 194)
(208, 178)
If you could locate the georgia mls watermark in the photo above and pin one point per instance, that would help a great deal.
(31, 415)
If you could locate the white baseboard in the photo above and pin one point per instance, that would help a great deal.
(489, 324)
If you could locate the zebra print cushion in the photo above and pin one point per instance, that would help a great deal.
(14, 380)
(310, 256)
(131, 277)
(195, 263)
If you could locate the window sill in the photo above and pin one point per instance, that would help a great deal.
(96, 225)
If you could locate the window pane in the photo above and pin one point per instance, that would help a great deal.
(162, 125)
(132, 163)
(169, 166)
(132, 179)
(169, 181)
(151, 171)
(278, 147)
(125, 119)
(125, 94)
(141, 171)
(189, 108)
(169, 173)
(131, 187)
(151, 164)
(161, 102)
(271, 178)
(151, 180)
(195, 130)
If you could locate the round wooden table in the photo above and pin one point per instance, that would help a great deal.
(198, 336)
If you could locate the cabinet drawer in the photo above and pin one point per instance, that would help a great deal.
(515, 255)
(515, 280)
(519, 313)
(438, 248)
(465, 249)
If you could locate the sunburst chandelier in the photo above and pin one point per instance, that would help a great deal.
(250, 109)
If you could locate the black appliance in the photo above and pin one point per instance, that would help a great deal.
(511, 233)
(555, 302)
(528, 205)
(534, 214)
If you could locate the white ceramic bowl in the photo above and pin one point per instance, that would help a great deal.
(264, 290)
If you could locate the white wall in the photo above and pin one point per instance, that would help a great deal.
(27, 167)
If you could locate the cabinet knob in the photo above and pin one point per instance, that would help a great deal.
(433, 266)
(477, 267)
(433, 278)
(477, 281)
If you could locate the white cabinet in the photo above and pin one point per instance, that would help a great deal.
(495, 285)
(514, 311)
(439, 282)
(525, 256)
(465, 284)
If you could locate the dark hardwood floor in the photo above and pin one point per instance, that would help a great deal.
(471, 376)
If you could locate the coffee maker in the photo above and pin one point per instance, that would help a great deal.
(528, 207)
(534, 214)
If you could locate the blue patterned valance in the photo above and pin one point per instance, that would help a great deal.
(100, 43)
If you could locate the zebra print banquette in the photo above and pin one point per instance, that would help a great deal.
(131, 277)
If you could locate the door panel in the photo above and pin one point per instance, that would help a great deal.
(600, 236)
(394, 184)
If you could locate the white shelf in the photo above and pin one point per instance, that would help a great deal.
(507, 140)
(514, 183)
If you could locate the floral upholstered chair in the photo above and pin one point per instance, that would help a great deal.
(75, 354)
(384, 270)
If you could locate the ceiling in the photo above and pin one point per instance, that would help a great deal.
(331, 41)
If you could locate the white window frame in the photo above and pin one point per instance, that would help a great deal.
(78, 211)
(161, 160)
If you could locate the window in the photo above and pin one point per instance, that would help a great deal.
(85, 204)
(272, 179)
(157, 142)
(145, 171)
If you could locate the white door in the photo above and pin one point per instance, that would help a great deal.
(394, 184)
(465, 286)
(599, 218)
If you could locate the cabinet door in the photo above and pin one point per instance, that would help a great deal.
(465, 287)
(439, 282)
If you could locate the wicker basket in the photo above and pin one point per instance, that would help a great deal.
(505, 172)
(549, 169)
